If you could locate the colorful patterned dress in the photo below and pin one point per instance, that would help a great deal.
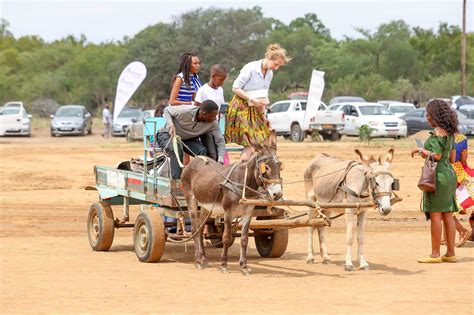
(245, 124)
(444, 198)
(464, 174)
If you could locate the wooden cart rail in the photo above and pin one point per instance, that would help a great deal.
(312, 204)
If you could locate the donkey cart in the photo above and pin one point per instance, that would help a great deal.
(164, 216)
(162, 197)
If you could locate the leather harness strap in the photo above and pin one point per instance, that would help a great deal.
(226, 182)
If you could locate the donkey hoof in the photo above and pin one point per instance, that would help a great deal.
(206, 264)
(364, 267)
(349, 268)
(246, 272)
(198, 266)
(224, 269)
(310, 261)
(327, 261)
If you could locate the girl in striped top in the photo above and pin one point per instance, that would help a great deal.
(186, 81)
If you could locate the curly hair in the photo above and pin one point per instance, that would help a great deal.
(443, 116)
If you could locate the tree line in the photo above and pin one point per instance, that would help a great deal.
(394, 61)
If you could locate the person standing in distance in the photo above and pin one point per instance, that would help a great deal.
(107, 120)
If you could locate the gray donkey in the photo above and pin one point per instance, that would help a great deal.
(218, 188)
(328, 179)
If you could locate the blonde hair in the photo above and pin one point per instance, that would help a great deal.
(275, 51)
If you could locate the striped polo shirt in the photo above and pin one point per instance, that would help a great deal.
(186, 93)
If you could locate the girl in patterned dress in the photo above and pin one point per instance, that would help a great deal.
(465, 190)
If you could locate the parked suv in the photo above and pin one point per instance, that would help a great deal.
(290, 119)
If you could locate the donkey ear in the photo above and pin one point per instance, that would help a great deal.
(255, 146)
(272, 141)
(389, 157)
(364, 158)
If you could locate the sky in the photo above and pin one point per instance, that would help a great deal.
(111, 20)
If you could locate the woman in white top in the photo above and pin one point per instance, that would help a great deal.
(245, 118)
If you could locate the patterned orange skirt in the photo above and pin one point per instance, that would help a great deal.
(245, 124)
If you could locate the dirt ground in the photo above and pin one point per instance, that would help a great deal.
(48, 266)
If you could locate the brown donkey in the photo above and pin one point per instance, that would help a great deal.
(218, 188)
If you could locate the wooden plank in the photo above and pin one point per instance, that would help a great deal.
(284, 223)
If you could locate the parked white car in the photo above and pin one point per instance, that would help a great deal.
(288, 118)
(399, 109)
(14, 120)
(376, 116)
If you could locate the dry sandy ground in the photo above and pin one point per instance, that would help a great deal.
(47, 264)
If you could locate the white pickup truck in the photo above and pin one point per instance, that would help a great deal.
(289, 119)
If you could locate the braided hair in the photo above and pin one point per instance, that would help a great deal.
(185, 68)
(443, 116)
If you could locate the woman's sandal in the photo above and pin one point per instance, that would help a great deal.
(449, 259)
(430, 260)
(463, 238)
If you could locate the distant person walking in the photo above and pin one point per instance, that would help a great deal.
(107, 120)
(245, 118)
(441, 204)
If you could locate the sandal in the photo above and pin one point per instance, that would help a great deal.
(463, 237)
(430, 260)
(449, 259)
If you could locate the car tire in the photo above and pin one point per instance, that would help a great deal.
(297, 135)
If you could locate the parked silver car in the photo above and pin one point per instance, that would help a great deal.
(135, 129)
(71, 120)
(124, 119)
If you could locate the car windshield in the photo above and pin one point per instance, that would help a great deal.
(128, 112)
(374, 110)
(401, 109)
(10, 110)
(463, 100)
(69, 112)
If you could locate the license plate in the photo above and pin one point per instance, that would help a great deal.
(65, 129)
(327, 126)
(392, 132)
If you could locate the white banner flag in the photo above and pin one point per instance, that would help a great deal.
(316, 88)
(129, 81)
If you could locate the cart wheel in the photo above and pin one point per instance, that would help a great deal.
(217, 243)
(272, 245)
(100, 226)
(149, 236)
